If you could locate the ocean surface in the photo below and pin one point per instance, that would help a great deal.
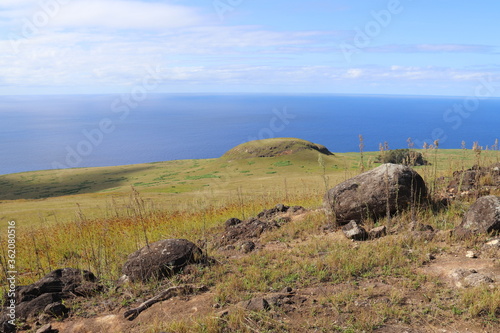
(46, 132)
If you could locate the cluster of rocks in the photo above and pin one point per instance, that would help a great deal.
(476, 181)
(43, 300)
(355, 231)
(391, 188)
(285, 300)
(469, 278)
(243, 234)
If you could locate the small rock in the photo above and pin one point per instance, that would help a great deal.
(56, 310)
(286, 290)
(281, 208)
(471, 254)
(222, 314)
(495, 242)
(247, 247)
(476, 279)
(430, 256)
(232, 222)
(378, 232)
(354, 231)
(296, 209)
(461, 273)
(255, 304)
(46, 329)
(469, 278)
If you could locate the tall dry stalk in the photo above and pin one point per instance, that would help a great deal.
(3, 257)
(388, 197)
(361, 148)
(36, 250)
(241, 202)
(45, 241)
(434, 181)
(384, 148)
(322, 164)
(412, 158)
(477, 152)
(138, 209)
(495, 147)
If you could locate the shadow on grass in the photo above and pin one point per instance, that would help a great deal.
(57, 183)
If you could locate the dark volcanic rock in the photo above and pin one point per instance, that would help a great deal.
(255, 304)
(47, 293)
(66, 280)
(483, 217)
(247, 246)
(32, 308)
(367, 194)
(237, 231)
(232, 222)
(56, 310)
(161, 259)
(354, 231)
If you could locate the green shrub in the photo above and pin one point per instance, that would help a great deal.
(402, 156)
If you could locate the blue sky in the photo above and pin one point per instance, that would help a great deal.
(409, 47)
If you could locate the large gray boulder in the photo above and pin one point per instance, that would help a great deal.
(483, 217)
(366, 195)
(161, 259)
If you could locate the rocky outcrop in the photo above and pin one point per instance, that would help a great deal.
(389, 187)
(161, 259)
(483, 217)
(45, 296)
(475, 181)
(244, 233)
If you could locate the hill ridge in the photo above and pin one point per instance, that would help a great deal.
(274, 147)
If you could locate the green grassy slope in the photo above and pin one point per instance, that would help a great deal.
(294, 166)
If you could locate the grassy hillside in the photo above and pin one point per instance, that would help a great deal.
(92, 218)
(55, 195)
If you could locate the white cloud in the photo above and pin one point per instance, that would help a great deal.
(432, 48)
(354, 73)
(119, 14)
(99, 14)
(110, 43)
(11, 3)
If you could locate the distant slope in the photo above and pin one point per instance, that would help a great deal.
(273, 148)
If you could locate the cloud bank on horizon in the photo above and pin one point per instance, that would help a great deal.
(409, 47)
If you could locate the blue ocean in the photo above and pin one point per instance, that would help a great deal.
(47, 132)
